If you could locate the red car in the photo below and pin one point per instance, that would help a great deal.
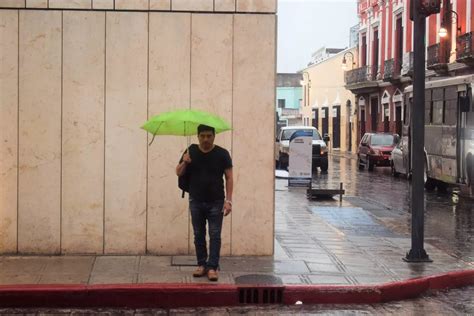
(375, 149)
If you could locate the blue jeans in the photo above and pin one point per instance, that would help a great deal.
(212, 213)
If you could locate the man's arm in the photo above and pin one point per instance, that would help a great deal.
(229, 187)
(181, 167)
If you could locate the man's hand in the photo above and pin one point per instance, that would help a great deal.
(187, 158)
(227, 208)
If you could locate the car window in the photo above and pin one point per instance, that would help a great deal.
(382, 140)
(286, 134)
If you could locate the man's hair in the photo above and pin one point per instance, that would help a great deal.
(205, 128)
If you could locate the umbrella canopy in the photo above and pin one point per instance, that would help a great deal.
(183, 123)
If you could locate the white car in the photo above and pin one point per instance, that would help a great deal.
(320, 149)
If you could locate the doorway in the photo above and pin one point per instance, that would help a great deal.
(336, 126)
(374, 111)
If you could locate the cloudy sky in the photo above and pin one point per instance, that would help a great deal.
(307, 25)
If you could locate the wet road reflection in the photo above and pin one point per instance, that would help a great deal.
(448, 219)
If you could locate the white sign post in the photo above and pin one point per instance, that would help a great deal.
(300, 158)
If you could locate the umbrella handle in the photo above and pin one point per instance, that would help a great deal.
(154, 134)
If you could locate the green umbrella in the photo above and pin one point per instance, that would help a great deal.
(183, 123)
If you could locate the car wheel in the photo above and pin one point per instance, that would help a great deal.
(394, 171)
(370, 164)
(324, 166)
(430, 184)
(359, 164)
(442, 186)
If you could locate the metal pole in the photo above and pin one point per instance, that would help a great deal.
(417, 252)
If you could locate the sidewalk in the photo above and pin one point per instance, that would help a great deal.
(317, 243)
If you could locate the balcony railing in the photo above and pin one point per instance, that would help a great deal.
(391, 69)
(465, 49)
(357, 75)
(374, 74)
(437, 57)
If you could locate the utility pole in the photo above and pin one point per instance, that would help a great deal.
(420, 9)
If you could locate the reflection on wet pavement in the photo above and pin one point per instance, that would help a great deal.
(448, 219)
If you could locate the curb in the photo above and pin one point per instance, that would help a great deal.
(219, 295)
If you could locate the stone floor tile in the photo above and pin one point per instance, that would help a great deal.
(12, 279)
(116, 265)
(122, 278)
(62, 278)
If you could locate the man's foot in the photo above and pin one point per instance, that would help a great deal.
(212, 275)
(199, 272)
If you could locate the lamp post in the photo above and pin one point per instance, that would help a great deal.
(443, 31)
(417, 252)
(344, 61)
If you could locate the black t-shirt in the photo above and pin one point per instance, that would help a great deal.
(206, 171)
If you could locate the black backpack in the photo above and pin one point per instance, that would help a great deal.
(183, 181)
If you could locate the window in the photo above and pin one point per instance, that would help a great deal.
(363, 46)
(281, 103)
(286, 134)
(382, 140)
(438, 112)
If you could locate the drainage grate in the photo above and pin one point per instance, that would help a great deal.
(261, 295)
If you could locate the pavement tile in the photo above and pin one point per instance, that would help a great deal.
(323, 267)
(329, 279)
(62, 278)
(116, 265)
(155, 264)
(165, 277)
(290, 267)
(11, 279)
(69, 265)
(113, 279)
(23, 265)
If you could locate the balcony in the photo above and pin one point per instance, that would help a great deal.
(465, 49)
(358, 75)
(437, 58)
(361, 80)
(391, 70)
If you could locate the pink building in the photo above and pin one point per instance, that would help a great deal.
(385, 63)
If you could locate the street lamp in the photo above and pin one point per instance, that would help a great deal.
(443, 31)
(344, 62)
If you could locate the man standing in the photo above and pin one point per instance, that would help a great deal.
(206, 164)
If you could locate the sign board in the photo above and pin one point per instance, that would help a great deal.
(323, 113)
(334, 112)
(300, 157)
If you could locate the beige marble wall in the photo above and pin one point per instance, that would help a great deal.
(160, 4)
(12, 3)
(88, 182)
(131, 4)
(40, 132)
(70, 4)
(211, 80)
(36, 3)
(103, 4)
(83, 132)
(224, 5)
(253, 134)
(256, 5)
(247, 6)
(125, 142)
(8, 130)
(169, 89)
(192, 5)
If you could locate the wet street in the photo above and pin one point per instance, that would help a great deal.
(449, 220)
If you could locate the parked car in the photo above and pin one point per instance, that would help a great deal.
(375, 149)
(320, 149)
